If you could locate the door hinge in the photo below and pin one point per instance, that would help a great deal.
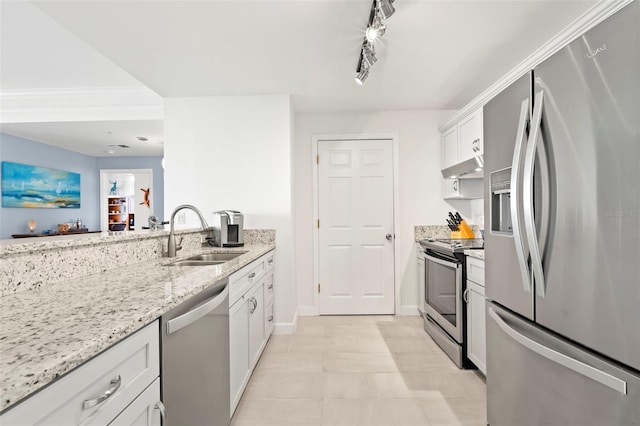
(318, 223)
(318, 287)
(317, 159)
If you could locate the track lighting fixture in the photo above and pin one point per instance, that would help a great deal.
(380, 10)
(385, 8)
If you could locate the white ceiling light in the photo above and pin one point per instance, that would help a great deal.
(380, 9)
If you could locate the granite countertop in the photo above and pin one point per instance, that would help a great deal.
(47, 332)
(478, 254)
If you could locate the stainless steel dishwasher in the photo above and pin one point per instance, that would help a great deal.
(195, 359)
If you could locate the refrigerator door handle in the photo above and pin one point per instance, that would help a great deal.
(527, 196)
(579, 367)
(515, 203)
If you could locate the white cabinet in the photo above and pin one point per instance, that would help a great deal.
(476, 324)
(463, 140)
(250, 320)
(462, 189)
(98, 391)
(470, 140)
(146, 410)
(450, 147)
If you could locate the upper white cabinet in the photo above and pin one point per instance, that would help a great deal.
(470, 141)
(463, 140)
(450, 147)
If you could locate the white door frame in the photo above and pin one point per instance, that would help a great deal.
(104, 192)
(316, 241)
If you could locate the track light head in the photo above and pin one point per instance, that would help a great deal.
(385, 8)
(362, 75)
(368, 54)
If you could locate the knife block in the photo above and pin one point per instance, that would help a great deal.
(465, 231)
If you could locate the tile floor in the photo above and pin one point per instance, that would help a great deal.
(359, 371)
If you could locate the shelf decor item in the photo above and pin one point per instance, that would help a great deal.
(26, 186)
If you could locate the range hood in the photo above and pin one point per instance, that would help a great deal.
(471, 168)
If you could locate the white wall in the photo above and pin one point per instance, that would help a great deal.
(420, 191)
(235, 153)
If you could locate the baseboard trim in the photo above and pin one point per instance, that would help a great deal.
(285, 328)
(408, 311)
(307, 311)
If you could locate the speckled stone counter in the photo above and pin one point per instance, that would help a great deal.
(51, 329)
(438, 232)
(478, 254)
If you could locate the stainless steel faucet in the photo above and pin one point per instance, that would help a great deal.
(172, 246)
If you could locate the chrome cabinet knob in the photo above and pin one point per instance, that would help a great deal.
(389, 237)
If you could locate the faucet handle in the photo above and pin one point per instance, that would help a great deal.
(179, 244)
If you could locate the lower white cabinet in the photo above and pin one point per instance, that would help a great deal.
(421, 280)
(476, 323)
(100, 390)
(250, 321)
(145, 410)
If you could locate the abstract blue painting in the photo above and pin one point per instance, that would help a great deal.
(39, 187)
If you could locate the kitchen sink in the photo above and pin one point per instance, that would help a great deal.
(188, 262)
(213, 257)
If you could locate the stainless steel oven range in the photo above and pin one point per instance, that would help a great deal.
(443, 309)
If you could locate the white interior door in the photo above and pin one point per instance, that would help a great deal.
(355, 236)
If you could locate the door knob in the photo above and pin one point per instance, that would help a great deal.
(389, 237)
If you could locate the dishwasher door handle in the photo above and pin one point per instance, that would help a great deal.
(197, 313)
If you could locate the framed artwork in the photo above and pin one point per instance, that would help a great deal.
(39, 187)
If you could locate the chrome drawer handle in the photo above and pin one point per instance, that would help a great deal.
(254, 302)
(270, 287)
(252, 275)
(115, 385)
(270, 318)
(163, 413)
(270, 260)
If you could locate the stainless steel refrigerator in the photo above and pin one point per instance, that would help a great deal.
(562, 199)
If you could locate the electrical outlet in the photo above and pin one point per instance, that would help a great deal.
(180, 218)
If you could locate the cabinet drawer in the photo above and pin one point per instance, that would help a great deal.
(245, 278)
(269, 320)
(270, 259)
(123, 371)
(268, 289)
(144, 411)
(475, 270)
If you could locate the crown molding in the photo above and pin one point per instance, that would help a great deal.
(596, 14)
(80, 104)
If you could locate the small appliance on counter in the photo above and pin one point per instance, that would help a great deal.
(228, 226)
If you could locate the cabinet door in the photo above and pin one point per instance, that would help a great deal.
(145, 410)
(255, 303)
(450, 147)
(470, 136)
(451, 188)
(238, 349)
(476, 326)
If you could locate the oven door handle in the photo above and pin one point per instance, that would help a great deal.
(442, 262)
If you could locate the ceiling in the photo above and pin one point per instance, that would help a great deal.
(434, 55)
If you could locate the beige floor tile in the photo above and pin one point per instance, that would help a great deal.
(345, 385)
(371, 344)
(281, 412)
(321, 344)
(423, 361)
(413, 385)
(400, 330)
(455, 411)
(352, 330)
(278, 344)
(291, 362)
(359, 363)
(267, 384)
(309, 330)
(372, 412)
(410, 344)
(471, 383)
